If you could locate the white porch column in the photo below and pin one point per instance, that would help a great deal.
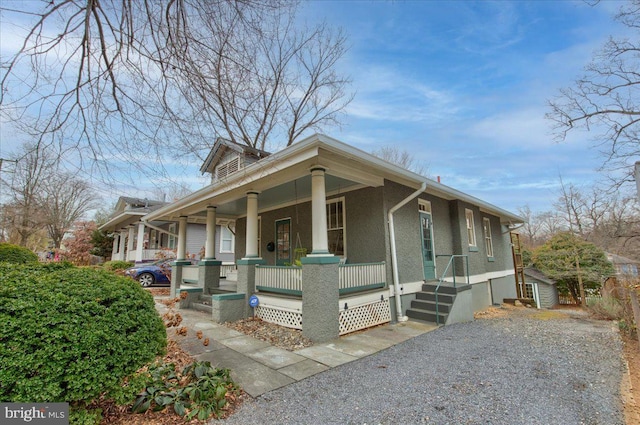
(252, 225)
(182, 238)
(122, 248)
(210, 247)
(140, 243)
(130, 239)
(114, 248)
(319, 213)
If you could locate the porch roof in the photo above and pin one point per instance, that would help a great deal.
(284, 178)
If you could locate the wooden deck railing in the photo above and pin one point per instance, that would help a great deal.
(352, 278)
(361, 277)
(279, 279)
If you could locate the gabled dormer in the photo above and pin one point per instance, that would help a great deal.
(227, 157)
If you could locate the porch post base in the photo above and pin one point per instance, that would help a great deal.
(320, 298)
(247, 281)
(176, 277)
(209, 274)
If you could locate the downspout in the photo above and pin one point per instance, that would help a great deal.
(394, 254)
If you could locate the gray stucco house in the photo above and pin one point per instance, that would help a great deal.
(330, 239)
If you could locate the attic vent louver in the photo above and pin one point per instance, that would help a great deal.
(228, 168)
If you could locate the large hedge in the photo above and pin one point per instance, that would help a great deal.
(71, 334)
(16, 254)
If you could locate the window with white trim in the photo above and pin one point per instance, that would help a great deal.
(488, 242)
(227, 240)
(471, 230)
(228, 167)
(424, 206)
(171, 244)
(336, 227)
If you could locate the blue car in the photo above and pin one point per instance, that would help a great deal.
(156, 273)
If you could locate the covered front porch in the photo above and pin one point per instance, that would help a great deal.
(293, 261)
(363, 299)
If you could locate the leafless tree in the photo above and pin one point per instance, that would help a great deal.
(402, 158)
(63, 201)
(23, 218)
(43, 197)
(134, 82)
(607, 99)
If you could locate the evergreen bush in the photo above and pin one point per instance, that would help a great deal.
(117, 265)
(16, 254)
(71, 334)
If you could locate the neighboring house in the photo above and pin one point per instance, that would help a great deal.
(138, 240)
(625, 267)
(540, 288)
(374, 241)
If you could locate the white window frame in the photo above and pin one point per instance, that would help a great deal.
(171, 242)
(471, 227)
(488, 240)
(330, 226)
(231, 239)
(424, 206)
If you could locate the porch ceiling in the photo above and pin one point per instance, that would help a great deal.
(287, 193)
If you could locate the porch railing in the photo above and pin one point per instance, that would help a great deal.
(361, 277)
(279, 279)
(147, 254)
(352, 278)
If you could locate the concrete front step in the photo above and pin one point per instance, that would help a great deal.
(427, 316)
(431, 306)
(430, 296)
(202, 307)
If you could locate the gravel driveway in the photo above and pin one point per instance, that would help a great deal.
(526, 368)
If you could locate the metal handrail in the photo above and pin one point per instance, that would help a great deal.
(442, 278)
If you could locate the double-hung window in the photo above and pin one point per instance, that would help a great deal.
(488, 242)
(471, 230)
(171, 244)
(336, 227)
(227, 241)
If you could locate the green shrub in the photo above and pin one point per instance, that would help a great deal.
(607, 308)
(198, 392)
(16, 254)
(72, 334)
(117, 265)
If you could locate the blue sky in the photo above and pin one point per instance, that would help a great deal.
(463, 86)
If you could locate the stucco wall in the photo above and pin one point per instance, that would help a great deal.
(407, 233)
(503, 287)
(300, 226)
(365, 224)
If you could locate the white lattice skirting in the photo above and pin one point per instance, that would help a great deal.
(364, 316)
(351, 320)
(280, 316)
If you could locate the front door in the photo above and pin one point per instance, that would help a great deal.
(283, 242)
(428, 258)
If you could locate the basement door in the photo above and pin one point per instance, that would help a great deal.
(428, 258)
(283, 242)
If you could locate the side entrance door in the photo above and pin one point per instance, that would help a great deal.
(283, 242)
(428, 257)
